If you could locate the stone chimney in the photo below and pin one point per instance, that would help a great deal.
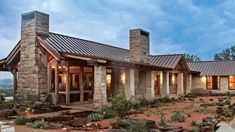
(139, 45)
(32, 70)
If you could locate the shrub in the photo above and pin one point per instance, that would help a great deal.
(9, 104)
(38, 124)
(144, 102)
(95, 117)
(196, 129)
(108, 113)
(121, 105)
(178, 117)
(165, 100)
(138, 127)
(162, 121)
(194, 123)
(228, 101)
(22, 120)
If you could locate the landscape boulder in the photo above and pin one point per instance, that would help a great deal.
(7, 112)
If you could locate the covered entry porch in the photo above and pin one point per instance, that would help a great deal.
(85, 80)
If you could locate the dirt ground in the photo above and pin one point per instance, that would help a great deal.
(192, 109)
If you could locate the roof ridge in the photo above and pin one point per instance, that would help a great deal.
(168, 55)
(212, 61)
(95, 42)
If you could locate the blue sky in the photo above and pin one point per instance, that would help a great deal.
(201, 27)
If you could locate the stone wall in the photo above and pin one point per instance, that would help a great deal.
(32, 71)
(198, 82)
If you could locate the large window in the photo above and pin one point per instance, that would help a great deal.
(232, 82)
(213, 82)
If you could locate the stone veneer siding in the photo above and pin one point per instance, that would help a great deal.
(32, 71)
(139, 46)
(100, 95)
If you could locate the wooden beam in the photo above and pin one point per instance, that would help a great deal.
(15, 82)
(81, 85)
(49, 77)
(56, 81)
(48, 49)
(67, 84)
(84, 58)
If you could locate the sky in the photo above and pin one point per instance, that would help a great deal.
(200, 27)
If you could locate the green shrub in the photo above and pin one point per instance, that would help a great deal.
(144, 102)
(178, 117)
(163, 120)
(108, 113)
(196, 129)
(95, 117)
(121, 105)
(38, 124)
(165, 100)
(138, 127)
(9, 104)
(194, 123)
(22, 120)
(228, 102)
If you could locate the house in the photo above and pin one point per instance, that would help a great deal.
(53, 67)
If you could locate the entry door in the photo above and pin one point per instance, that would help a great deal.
(214, 82)
(157, 85)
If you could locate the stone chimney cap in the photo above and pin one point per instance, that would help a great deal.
(34, 12)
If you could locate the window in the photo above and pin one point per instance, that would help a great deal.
(232, 82)
(213, 82)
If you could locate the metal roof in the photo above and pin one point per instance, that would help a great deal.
(213, 68)
(169, 61)
(70, 45)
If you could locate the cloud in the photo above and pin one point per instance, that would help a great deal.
(178, 26)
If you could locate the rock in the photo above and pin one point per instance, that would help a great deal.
(225, 128)
(78, 122)
(125, 123)
(208, 124)
(52, 125)
(170, 128)
(7, 112)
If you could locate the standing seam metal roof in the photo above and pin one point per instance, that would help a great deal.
(71, 45)
(213, 68)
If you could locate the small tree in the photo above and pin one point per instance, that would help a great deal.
(226, 54)
(121, 105)
(191, 58)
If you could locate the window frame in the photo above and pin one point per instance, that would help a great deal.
(218, 83)
(230, 82)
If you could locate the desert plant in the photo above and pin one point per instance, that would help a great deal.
(144, 102)
(178, 117)
(163, 120)
(228, 101)
(95, 117)
(194, 123)
(121, 105)
(22, 120)
(8, 104)
(196, 129)
(138, 127)
(38, 124)
(165, 100)
(108, 113)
